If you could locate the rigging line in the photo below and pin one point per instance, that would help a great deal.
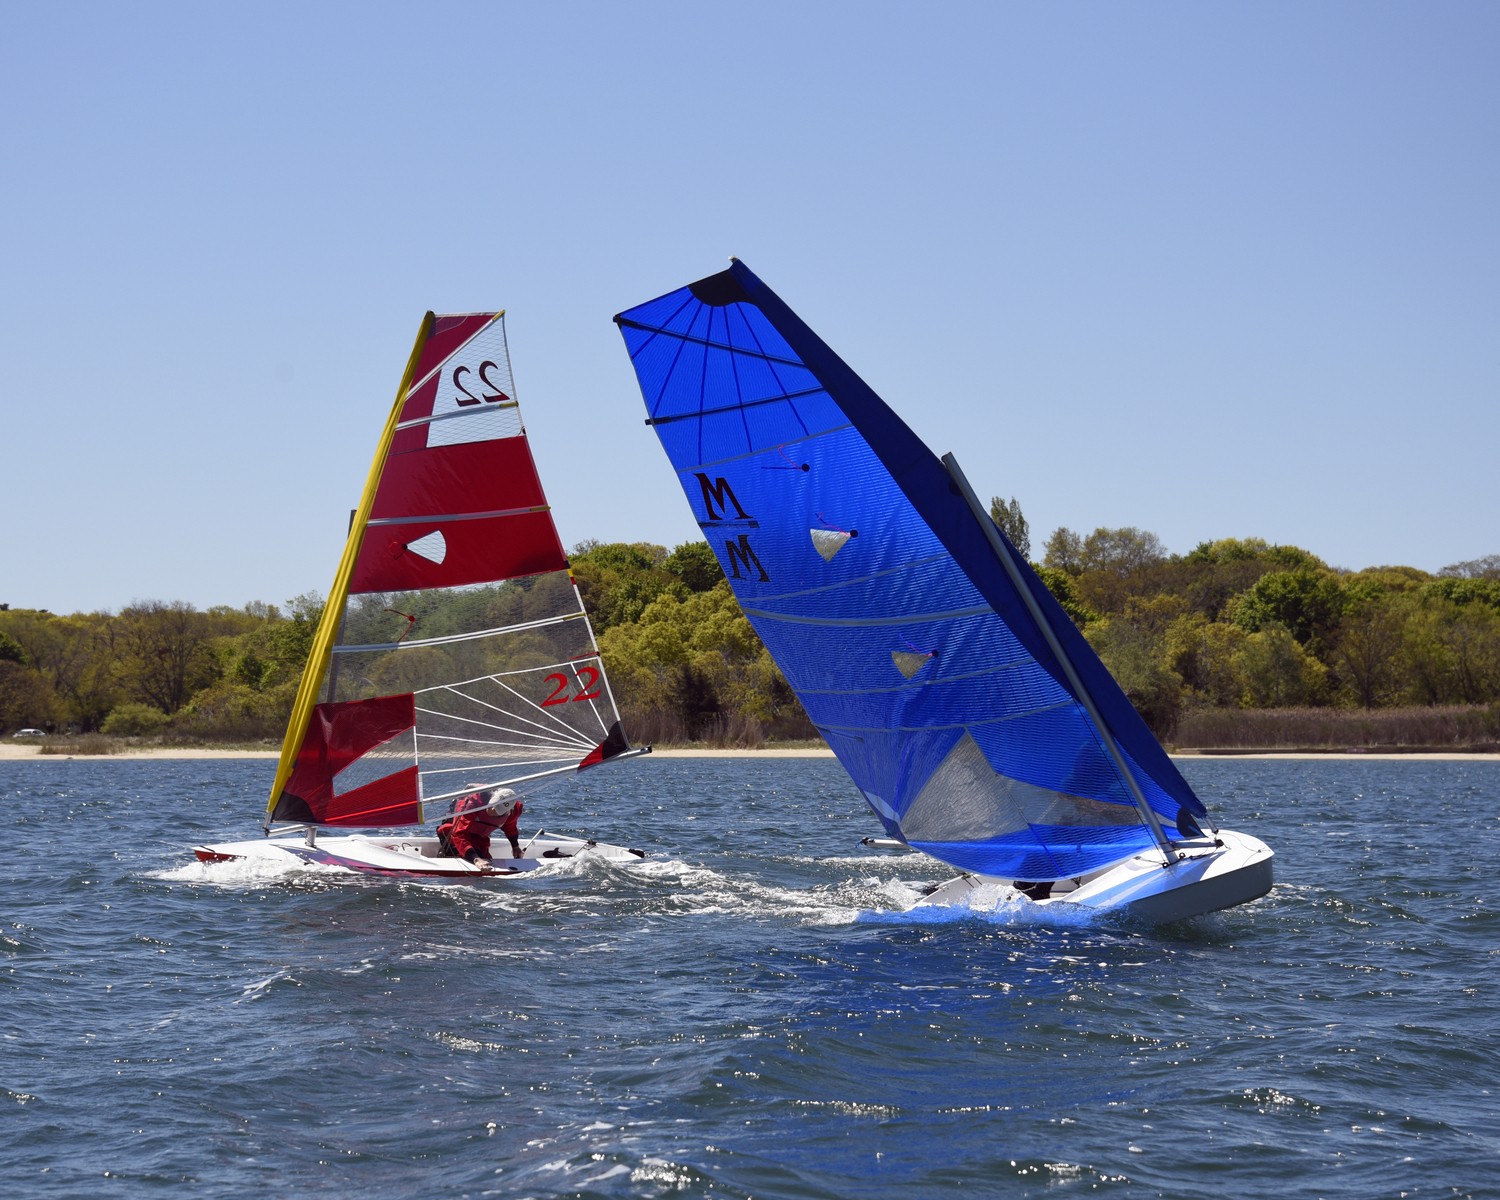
(1102, 732)
(465, 791)
(608, 691)
(912, 619)
(1028, 661)
(493, 406)
(688, 337)
(781, 383)
(474, 516)
(505, 345)
(546, 733)
(538, 744)
(489, 766)
(494, 676)
(527, 778)
(724, 408)
(517, 716)
(540, 709)
(829, 587)
(365, 647)
(593, 700)
(545, 737)
(432, 712)
(719, 462)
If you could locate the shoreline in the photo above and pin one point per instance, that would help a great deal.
(33, 754)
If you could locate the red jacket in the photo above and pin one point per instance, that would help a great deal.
(471, 831)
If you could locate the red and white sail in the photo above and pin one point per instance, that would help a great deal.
(454, 652)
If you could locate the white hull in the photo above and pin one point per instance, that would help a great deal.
(1215, 874)
(406, 856)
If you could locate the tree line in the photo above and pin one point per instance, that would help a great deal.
(1234, 624)
(156, 667)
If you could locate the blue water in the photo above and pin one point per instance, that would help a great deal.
(746, 1012)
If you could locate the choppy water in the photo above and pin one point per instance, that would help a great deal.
(747, 1012)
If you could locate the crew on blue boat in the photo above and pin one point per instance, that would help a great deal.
(466, 834)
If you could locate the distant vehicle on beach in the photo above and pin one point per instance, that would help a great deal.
(30, 733)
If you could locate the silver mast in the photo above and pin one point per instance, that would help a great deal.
(1019, 583)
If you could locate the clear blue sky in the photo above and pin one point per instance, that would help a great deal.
(1208, 269)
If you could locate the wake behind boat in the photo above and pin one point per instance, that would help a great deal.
(454, 664)
(407, 856)
(977, 722)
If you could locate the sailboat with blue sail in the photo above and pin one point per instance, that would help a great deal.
(972, 715)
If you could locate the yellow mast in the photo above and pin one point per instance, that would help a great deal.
(322, 647)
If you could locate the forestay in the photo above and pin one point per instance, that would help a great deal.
(454, 652)
(878, 592)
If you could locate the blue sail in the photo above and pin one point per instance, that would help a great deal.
(879, 594)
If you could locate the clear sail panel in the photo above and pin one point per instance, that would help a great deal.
(506, 679)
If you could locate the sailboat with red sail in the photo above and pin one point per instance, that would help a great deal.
(454, 667)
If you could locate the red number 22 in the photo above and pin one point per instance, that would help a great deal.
(559, 693)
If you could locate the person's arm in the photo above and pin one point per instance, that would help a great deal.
(510, 827)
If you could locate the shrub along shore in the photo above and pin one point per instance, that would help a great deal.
(1238, 645)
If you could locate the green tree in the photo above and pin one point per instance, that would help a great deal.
(1060, 584)
(1277, 671)
(12, 651)
(1368, 653)
(76, 656)
(1118, 564)
(1452, 653)
(1011, 522)
(730, 670)
(1305, 603)
(1133, 655)
(134, 720)
(618, 581)
(26, 698)
(1487, 567)
(162, 649)
(1064, 551)
(1203, 653)
(1464, 591)
(694, 563)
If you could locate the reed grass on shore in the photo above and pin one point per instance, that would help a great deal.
(1458, 727)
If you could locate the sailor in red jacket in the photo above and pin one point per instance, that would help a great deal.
(478, 816)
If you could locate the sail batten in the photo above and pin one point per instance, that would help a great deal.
(858, 561)
(464, 652)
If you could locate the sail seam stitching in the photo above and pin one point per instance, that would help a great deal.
(478, 516)
(908, 687)
(740, 407)
(463, 412)
(913, 619)
(455, 637)
(851, 729)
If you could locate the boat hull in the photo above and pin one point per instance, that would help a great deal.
(405, 856)
(1215, 874)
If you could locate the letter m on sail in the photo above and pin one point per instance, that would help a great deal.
(716, 493)
(743, 554)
